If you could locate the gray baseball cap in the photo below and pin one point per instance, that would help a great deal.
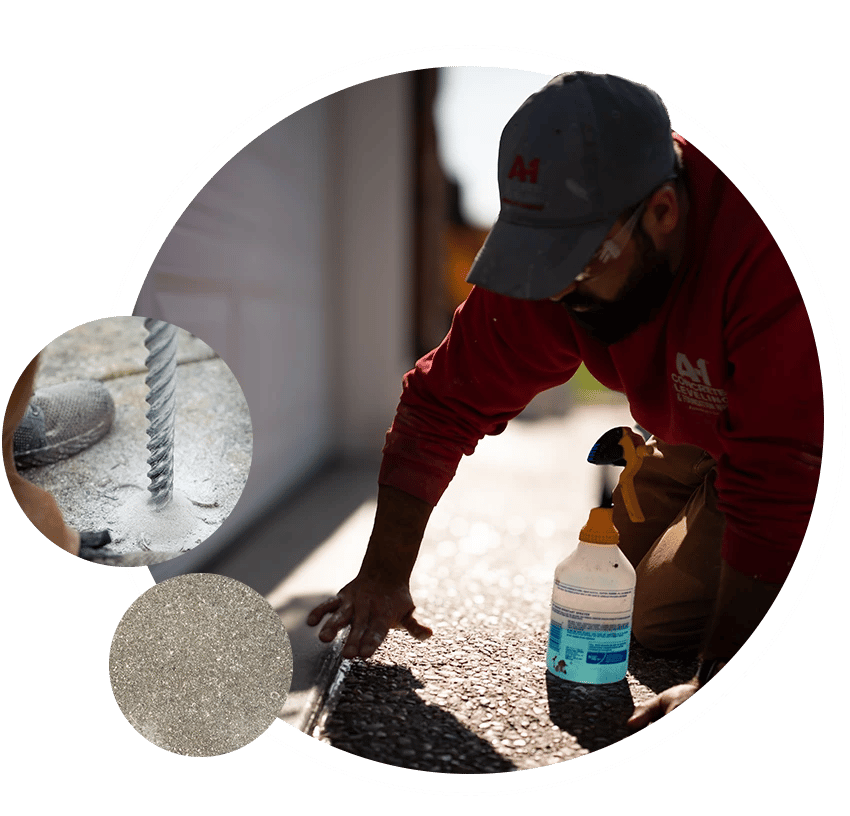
(574, 156)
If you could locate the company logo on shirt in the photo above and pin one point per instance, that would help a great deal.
(692, 385)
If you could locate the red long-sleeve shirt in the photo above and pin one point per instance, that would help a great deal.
(729, 364)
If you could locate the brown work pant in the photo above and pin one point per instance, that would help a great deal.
(38, 505)
(676, 550)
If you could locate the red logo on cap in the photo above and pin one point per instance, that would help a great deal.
(525, 172)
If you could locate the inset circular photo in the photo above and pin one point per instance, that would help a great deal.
(200, 665)
(127, 441)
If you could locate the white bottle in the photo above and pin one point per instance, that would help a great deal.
(592, 602)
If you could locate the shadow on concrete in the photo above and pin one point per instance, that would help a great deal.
(595, 715)
(659, 672)
(403, 730)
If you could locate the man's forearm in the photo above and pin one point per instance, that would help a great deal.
(400, 522)
(742, 602)
(378, 598)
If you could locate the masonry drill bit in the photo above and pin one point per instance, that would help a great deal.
(161, 343)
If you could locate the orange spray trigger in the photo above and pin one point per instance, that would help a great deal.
(622, 446)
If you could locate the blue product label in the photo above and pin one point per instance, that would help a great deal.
(588, 647)
(607, 657)
(588, 657)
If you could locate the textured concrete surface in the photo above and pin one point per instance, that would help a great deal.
(200, 665)
(105, 486)
(476, 697)
(480, 701)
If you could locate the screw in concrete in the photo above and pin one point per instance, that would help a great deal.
(161, 362)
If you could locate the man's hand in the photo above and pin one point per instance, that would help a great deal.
(371, 608)
(661, 704)
(742, 602)
(378, 599)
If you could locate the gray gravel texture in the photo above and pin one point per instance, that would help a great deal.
(200, 665)
(476, 697)
(105, 486)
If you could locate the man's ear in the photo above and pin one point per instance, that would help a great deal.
(662, 214)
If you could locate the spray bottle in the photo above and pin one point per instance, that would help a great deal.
(594, 588)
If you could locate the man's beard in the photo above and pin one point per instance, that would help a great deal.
(638, 303)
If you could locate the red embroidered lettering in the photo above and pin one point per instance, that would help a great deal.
(518, 168)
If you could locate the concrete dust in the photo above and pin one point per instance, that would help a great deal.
(105, 486)
(179, 526)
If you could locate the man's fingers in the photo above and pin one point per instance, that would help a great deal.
(415, 628)
(363, 641)
(330, 605)
(365, 636)
(642, 716)
(369, 618)
(339, 620)
(334, 623)
(660, 705)
(373, 638)
(365, 644)
(351, 649)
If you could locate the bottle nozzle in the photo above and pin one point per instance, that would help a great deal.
(622, 446)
